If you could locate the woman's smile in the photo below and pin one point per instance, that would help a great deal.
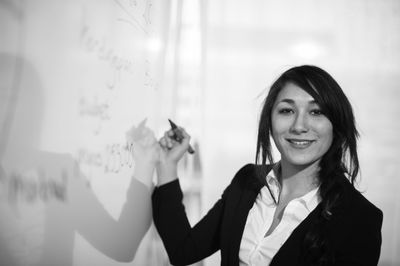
(300, 143)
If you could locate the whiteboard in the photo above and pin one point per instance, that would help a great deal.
(76, 75)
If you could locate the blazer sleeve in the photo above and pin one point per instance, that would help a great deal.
(184, 244)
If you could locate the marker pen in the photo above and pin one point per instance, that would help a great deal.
(178, 136)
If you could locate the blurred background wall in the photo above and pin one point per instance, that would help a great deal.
(208, 65)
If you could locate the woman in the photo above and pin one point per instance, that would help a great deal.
(303, 210)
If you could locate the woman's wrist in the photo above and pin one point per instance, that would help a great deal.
(166, 173)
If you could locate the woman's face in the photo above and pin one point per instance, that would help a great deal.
(302, 133)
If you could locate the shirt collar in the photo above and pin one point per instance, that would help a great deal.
(310, 200)
(273, 183)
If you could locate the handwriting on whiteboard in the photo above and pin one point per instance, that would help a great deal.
(36, 186)
(112, 159)
(136, 13)
(106, 53)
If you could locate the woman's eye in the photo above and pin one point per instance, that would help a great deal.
(285, 111)
(316, 112)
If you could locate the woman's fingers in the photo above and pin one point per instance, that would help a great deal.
(186, 136)
(170, 141)
(170, 133)
(163, 143)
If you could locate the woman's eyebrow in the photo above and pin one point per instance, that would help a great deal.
(287, 100)
(293, 102)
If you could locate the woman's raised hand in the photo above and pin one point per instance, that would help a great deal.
(171, 151)
(149, 154)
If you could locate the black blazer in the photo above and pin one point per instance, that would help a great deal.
(354, 230)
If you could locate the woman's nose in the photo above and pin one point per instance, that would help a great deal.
(300, 124)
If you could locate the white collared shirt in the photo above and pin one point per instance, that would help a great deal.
(255, 247)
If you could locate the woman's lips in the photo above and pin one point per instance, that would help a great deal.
(300, 143)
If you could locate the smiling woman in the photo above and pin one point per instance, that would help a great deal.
(313, 127)
(302, 210)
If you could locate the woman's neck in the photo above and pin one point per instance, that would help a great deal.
(298, 180)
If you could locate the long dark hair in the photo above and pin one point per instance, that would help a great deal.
(340, 159)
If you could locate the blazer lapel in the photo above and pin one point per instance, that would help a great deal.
(249, 191)
(246, 202)
(289, 253)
